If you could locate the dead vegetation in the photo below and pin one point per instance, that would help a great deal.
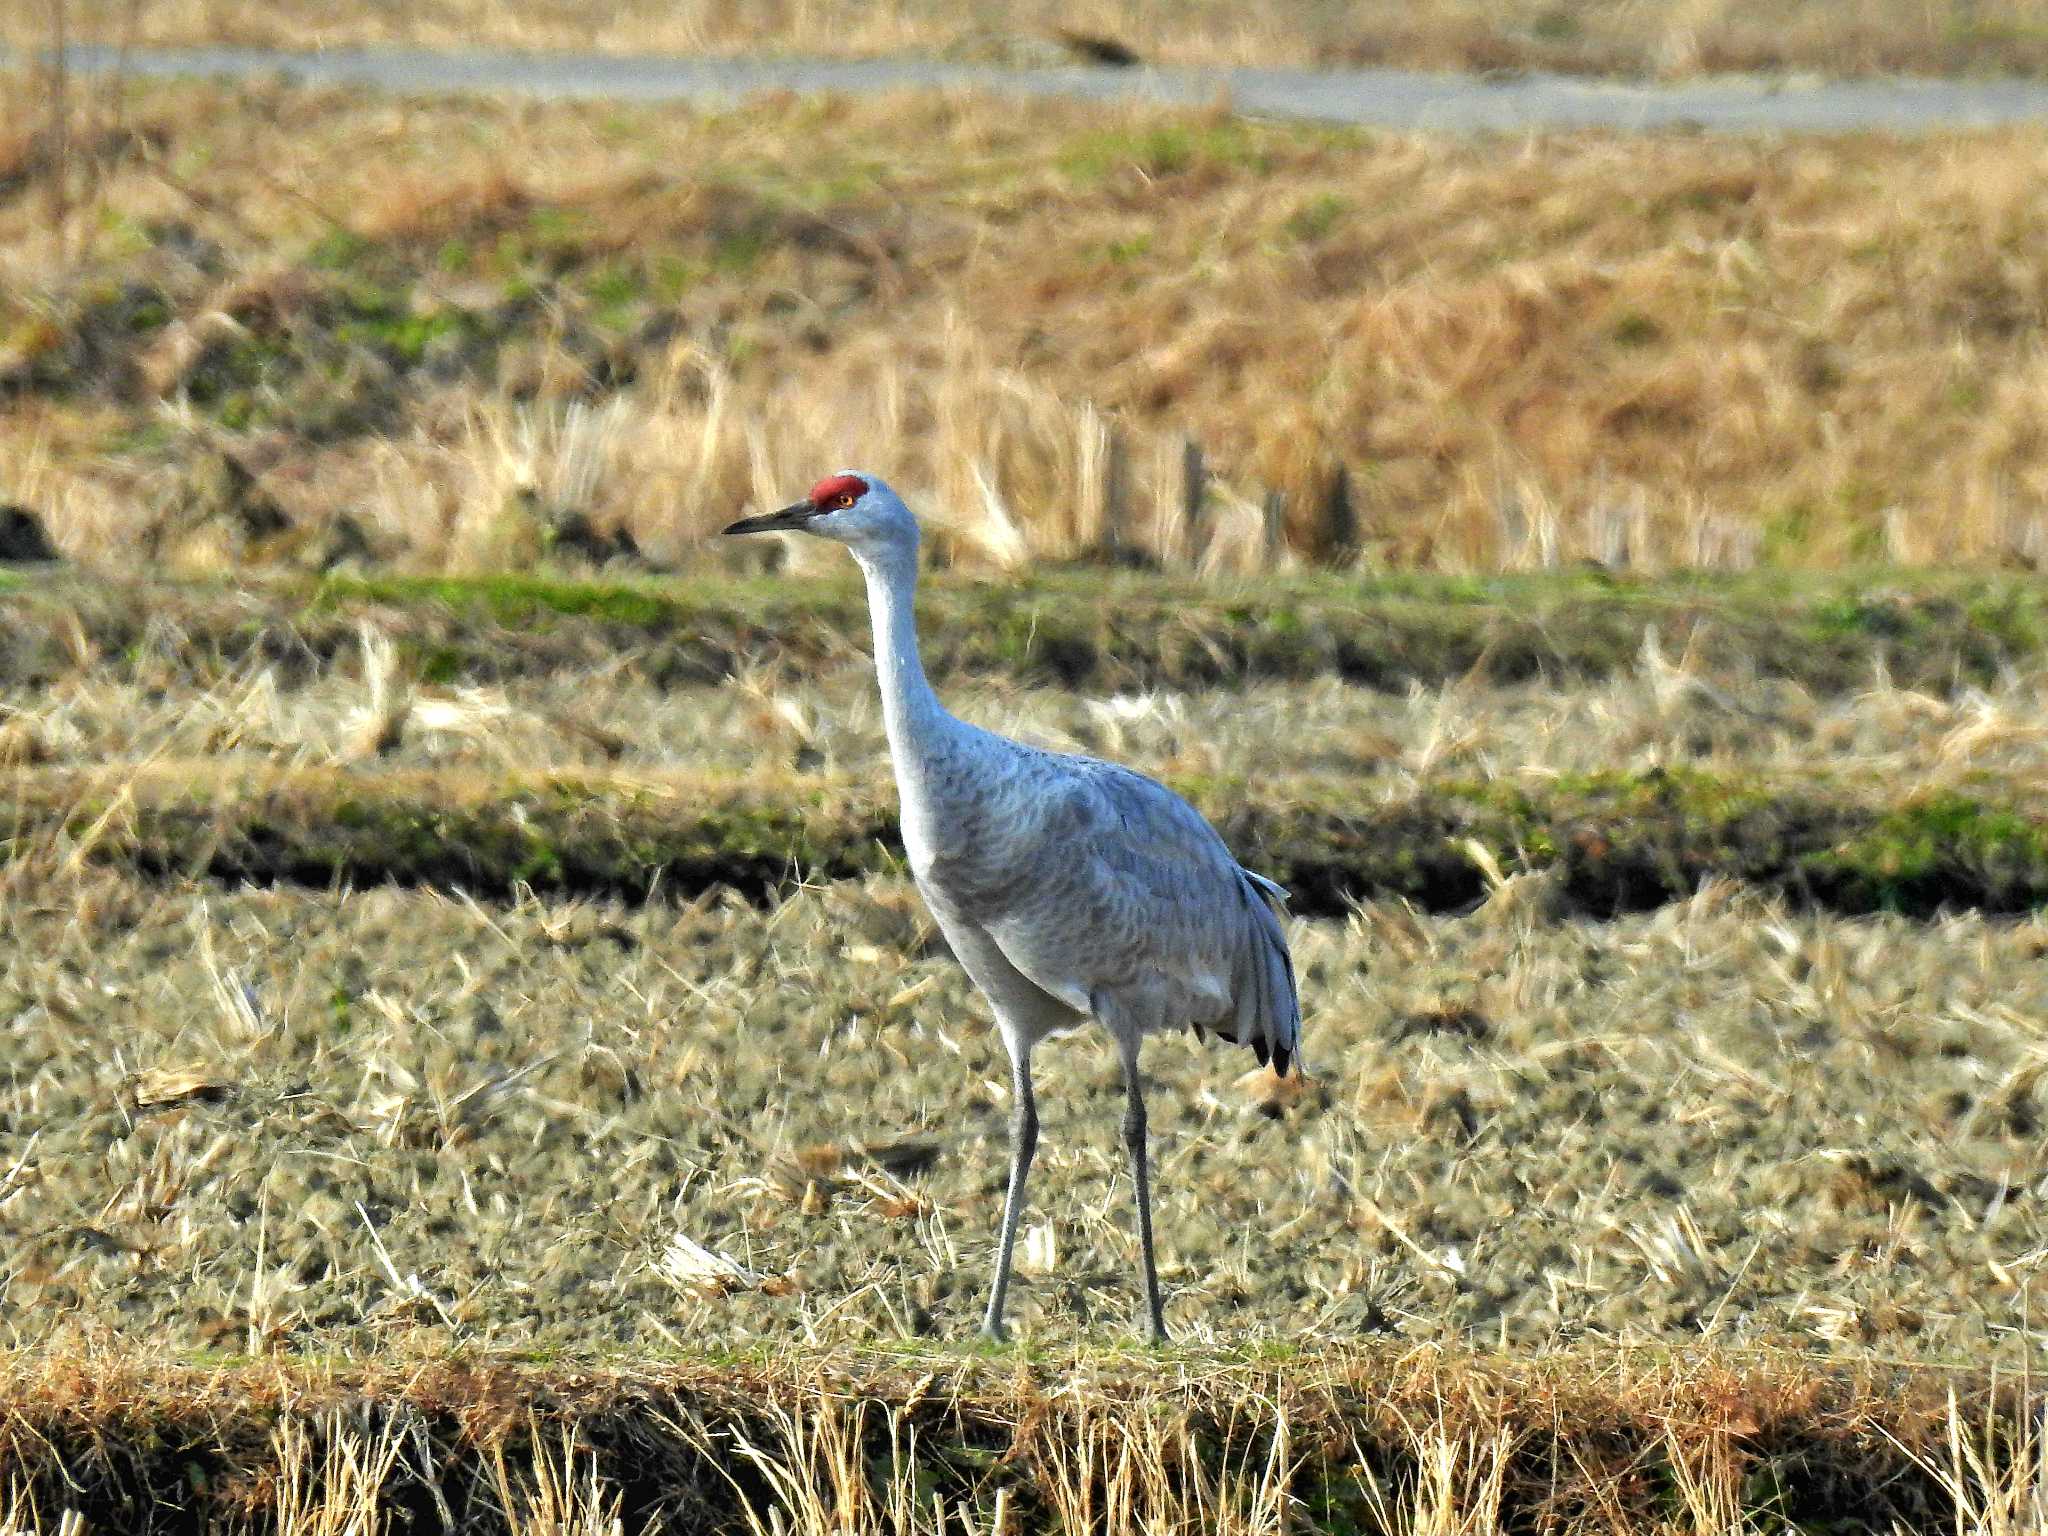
(1607, 37)
(393, 1082)
(494, 736)
(358, 1123)
(549, 1037)
(471, 335)
(1695, 641)
(1389, 1440)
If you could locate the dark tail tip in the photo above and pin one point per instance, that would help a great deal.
(1282, 1059)
(1259, 1049)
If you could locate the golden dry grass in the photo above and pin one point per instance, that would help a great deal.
(1401, 1442)
(467, 326)
(1604, 37)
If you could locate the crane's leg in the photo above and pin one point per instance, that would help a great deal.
(1023, 1143)
(1134, 1140)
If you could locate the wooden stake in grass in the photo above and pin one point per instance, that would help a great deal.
(1194, 503)
(1273, 515)
(1337, 523)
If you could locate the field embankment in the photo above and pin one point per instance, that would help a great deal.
(296, 328)
(1093, 630)
(930, 1442)
(1612, 842)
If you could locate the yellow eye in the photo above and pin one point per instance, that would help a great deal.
(843, 499)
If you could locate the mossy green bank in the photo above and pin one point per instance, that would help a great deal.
(1612, 843)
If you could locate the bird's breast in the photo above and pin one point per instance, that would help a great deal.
(973, 844)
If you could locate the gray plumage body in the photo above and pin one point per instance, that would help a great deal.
(1069, 888)
(1072, 889)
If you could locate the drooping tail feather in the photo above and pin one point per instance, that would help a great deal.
(1269, 1005)
(1272, 888)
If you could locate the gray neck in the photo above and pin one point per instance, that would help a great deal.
(915, 719)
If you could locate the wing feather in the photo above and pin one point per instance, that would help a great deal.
(1138, 906)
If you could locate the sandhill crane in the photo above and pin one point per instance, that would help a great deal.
(1069, 888)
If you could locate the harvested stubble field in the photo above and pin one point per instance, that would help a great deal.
(1670, 1220)
(322, 329)
(475, 1026)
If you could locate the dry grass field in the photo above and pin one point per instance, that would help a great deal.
(1683, 1219)
(316, 329)
(1608, 37)
(470, 1057)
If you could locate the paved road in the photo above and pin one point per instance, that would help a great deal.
(1374, 98)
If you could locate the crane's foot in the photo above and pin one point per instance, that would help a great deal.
(993, 1330)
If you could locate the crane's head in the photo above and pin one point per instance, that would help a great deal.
(858, 510)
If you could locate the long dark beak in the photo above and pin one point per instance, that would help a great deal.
(793, 516)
